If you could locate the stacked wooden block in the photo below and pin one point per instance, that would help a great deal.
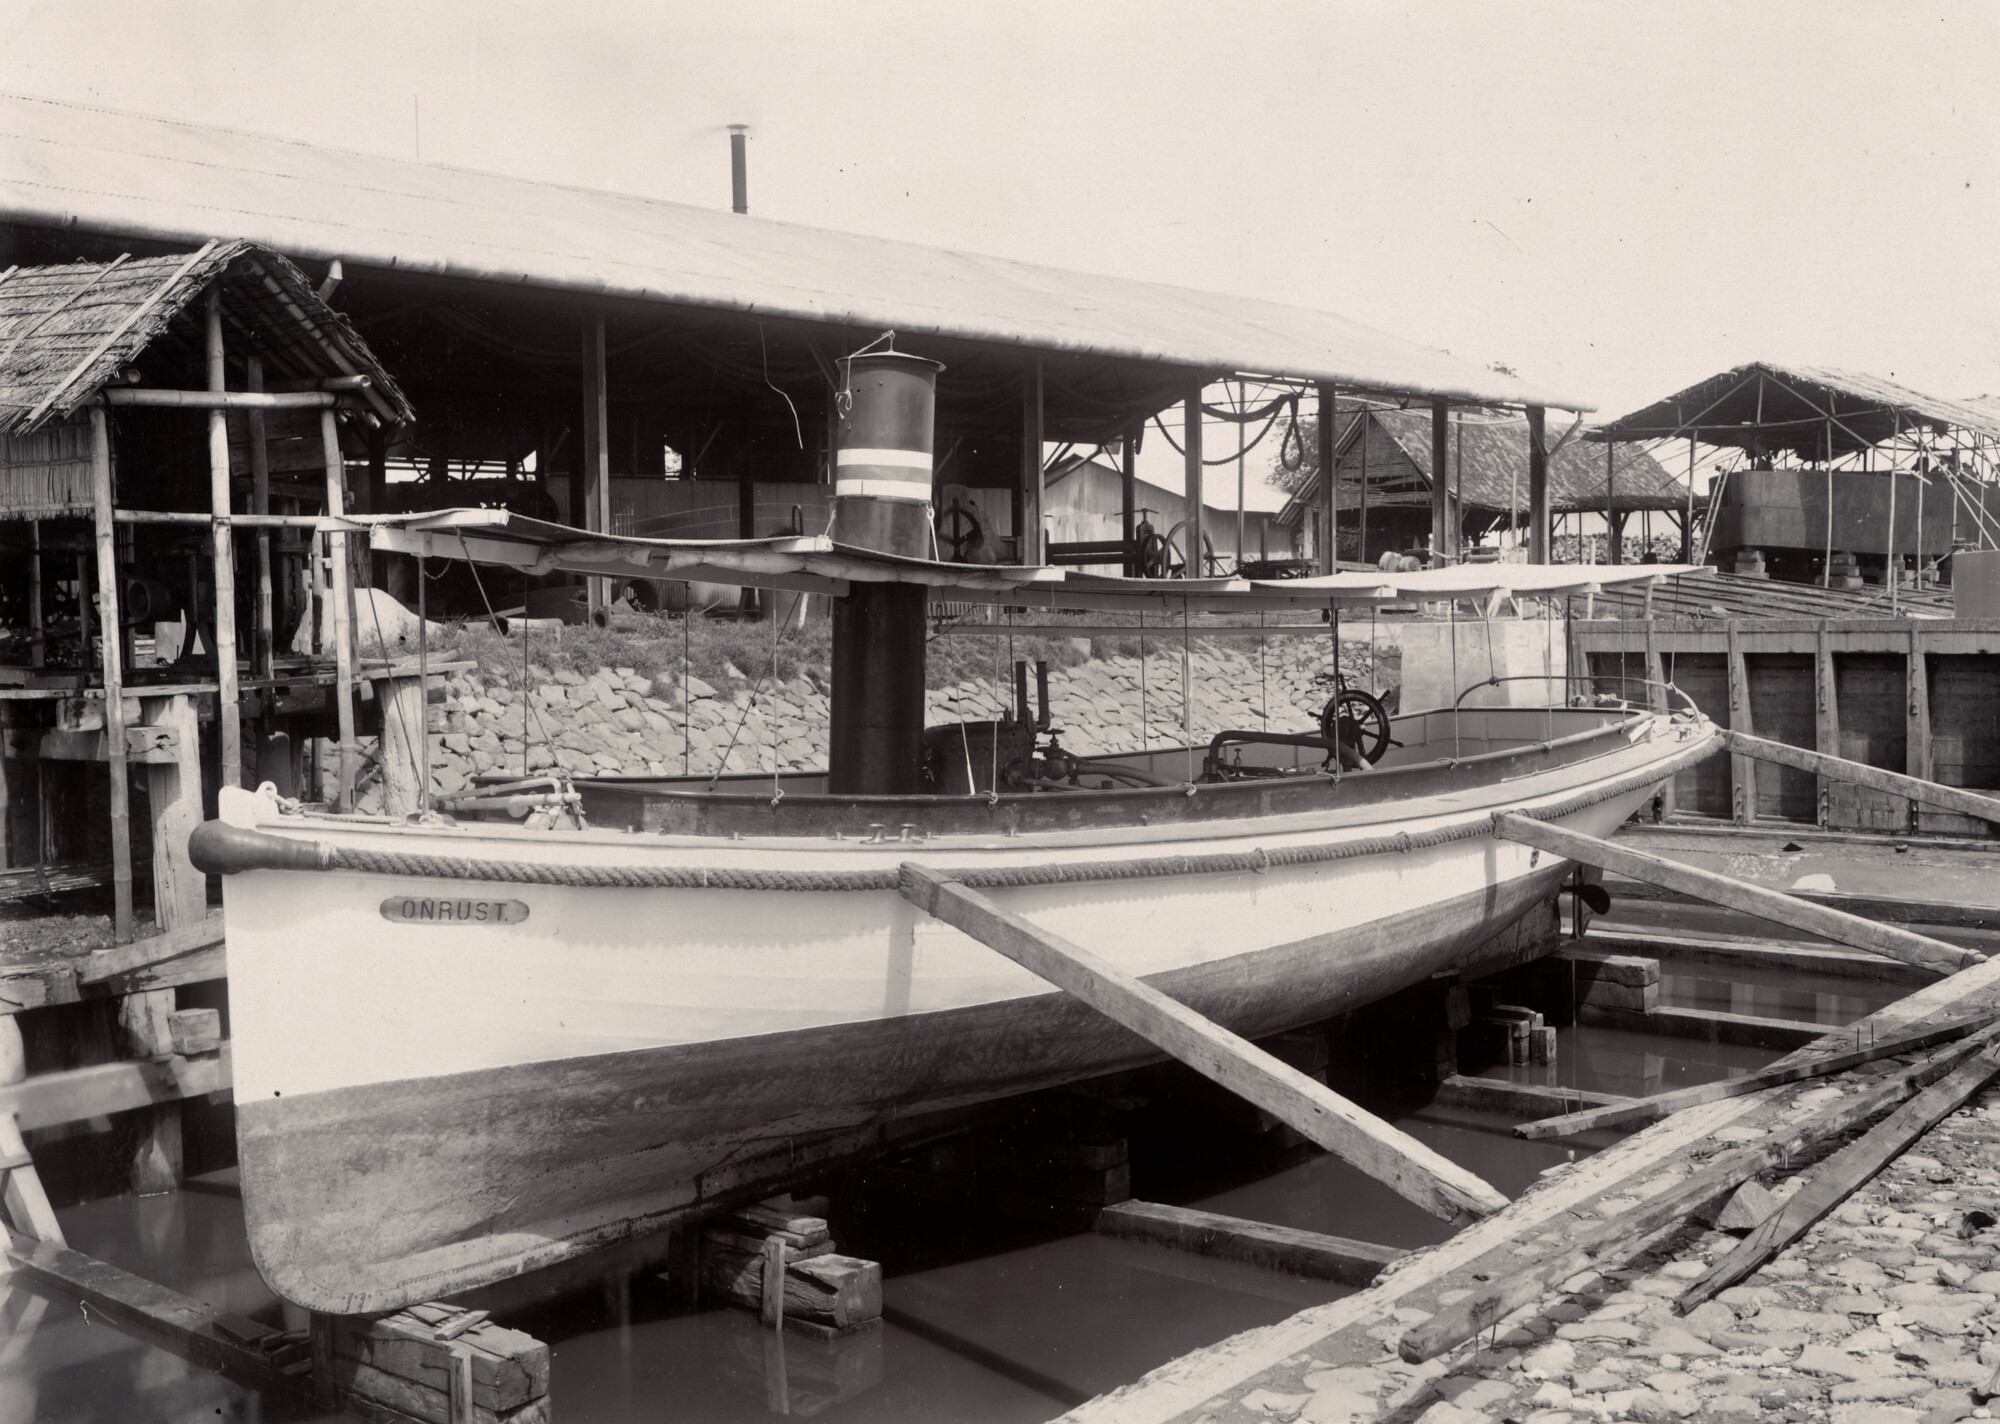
(1615, 990)
(436, 1364)
(780, 1263)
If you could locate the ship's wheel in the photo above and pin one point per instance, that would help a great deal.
(959, 533)
(1357, 719)
(1154, 556)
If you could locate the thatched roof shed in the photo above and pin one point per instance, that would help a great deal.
(66, 332)
(1488, 465)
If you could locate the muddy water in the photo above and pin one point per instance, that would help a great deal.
(985, 1320)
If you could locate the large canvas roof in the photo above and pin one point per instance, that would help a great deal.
(65, 165)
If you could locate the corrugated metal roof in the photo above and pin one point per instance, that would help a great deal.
(123, 173)
(1764, 408)
(65, 330)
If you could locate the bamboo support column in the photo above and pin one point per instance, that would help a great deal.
(1329, 482)
(114, 676)
(37, 651)
(343, 626)
(228, 712)
(1443, 544)
(1538, 486)
(263, 648)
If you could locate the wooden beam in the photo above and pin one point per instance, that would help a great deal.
(1444, 538)
(1399, 1161)
(1635, 1112)
(1834, 768)
(114, 677)
(1826, 716)
(263, 647)
(140, 954)
(180, 892)
(1742, 775)
(21, 1190)
(1917, 725)
(1128, 497)
(595, 472)
(1257, 1243)
(1722, 1173)
(1841, 1175)
(343, 627)
(228, 702)
(181, 1324)
(1774, 956)
(51, 1099)
(1516, 1099)
(1737, 895)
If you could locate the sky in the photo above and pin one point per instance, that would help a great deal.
(1612, 200)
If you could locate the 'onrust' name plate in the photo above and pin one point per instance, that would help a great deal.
(428, 910)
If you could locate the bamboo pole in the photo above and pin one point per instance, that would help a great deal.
(343, 628)
(1836, 925)
(37, 650)
(218, 399)
(228, 708)
(1414, 1171)
(114, 677)
(263, 650)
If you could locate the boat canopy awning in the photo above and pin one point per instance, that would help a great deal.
(816, 564)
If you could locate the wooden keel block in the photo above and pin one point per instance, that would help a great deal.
(1438, 1185)
(195, 1030)
(398, 1360)
(1257, 1243)
(827, 1289)
(1734, 894)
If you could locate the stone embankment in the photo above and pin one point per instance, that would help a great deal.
(1887, 1312)
(616, 722)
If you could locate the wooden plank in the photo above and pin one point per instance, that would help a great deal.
(1737, 894)
(149, 746)
(50, 1099)
(155, 950)
(1722, 1173)
(1777, 956)
(1393, 1158)
(176, 1322)
(1720, 1026)
(1841, 1175)
(1498, 1095)
(1950, 798)
(1634, 1112)
(1257, 1243)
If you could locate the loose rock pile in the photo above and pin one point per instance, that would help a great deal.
(1888, 1312)
(616, 722)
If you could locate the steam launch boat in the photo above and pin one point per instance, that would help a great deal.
(468, 1049)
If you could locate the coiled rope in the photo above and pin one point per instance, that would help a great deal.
(1256, 861)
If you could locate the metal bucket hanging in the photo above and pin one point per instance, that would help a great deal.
(887, 409)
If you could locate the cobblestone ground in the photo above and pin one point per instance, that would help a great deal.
(1885, 1313)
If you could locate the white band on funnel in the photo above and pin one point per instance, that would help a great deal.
(917, 492)
(899, 459)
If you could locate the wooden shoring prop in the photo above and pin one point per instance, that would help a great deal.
(1736, 894)
(27, 1205)
(1231, 1238)
(1639, 1111)
(228, 702)
(1594, 1248)
(1949, 798)
(1841, 1175)
(114, 676)
(1400, 1162)
(343, 629)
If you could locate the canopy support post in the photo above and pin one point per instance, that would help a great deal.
(1329, 486)
(1128, 497)
(114, 675)
(228, 706)
(596, 453)
(1191, 529)
(1033, 491)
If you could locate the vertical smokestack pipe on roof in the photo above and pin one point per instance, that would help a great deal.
(739, 169)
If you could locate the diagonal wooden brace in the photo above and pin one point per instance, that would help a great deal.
(1833, 768)
(1400, 1162)
(1836, 925)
